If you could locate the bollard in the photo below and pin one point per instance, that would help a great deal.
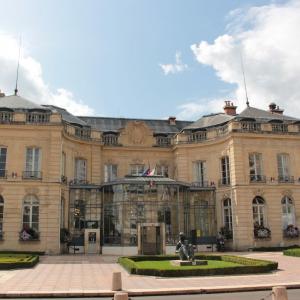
(116, 281)
(121, 296)
(279, 293)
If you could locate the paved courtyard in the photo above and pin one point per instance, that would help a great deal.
(91, 275)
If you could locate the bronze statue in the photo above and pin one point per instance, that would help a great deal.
(185, 250)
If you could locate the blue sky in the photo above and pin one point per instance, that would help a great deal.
(107, 53)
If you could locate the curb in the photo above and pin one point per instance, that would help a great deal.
(159, 292)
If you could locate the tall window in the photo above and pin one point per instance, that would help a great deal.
(258, 207)
(162, 170)
(110, 138)
(137, 169)
(31, 214)
(288, 212)
(110, 172)
(33, 162)
(80, 169)
(255, 166)
(225, 172)
(227, 214)
(3, 152)
(200, 172)
(1, 216)
(283, 167)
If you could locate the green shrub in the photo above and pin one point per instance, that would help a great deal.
(292, 252)
(17, 261)
(271, 249)
(245, 266)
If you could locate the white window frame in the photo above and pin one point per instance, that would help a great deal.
(288, 212)
(283, 165)
(257, 166)
(33, 164)
(227, 213)
(137, 169)
(225, 170)
(110, 172)
(29, 203)
(259, 211)
(1, 216)
(162, 170)
(200, 171)
(80, 169)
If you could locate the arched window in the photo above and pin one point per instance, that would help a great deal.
(288, 212)
(227, 214)
(258, 207)
(31, 213)
(1, 216)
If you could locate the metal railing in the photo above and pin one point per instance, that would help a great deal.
(3, 174)
(32, 175)
(286, 179)
(258, 179)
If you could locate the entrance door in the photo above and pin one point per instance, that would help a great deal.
(92, 241)
(151, 240)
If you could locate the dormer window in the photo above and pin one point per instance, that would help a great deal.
(6, 116)
(248, 124)
(197, 136)
(279, 127)
(163, 140)
(110, 138)
(84, 133)
(38, 117)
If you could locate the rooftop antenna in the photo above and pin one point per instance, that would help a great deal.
(17, 78)
(245, 86)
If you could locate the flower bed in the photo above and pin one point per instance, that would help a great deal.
(17, 261)
(217, 265)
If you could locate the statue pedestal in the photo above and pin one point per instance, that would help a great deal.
(196, 262)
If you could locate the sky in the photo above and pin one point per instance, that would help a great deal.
(152, 59)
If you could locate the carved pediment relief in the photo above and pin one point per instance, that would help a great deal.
(137, 133)
(258, 192)
(288, 193)
(32, 191)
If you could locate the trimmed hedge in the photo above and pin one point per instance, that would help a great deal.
(249, 266)
(271, 249)
(17, 261)
(292, 252)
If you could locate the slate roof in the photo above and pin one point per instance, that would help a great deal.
(115, 124)
(263, 115)
(66, 116)
(16, 102)
(210, 121)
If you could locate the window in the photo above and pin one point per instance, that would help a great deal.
(110, 172)
(110, 139)
(197, 136)
(137, 170)
(288, 212)
(30, 226)
(258, 207)
(277, 127)
(225, 172)
(255, 166)
(162, 170)
(200, 172)
(63, 164)
(33, 161)
(163, 141)
(80, 169)
(3, 152)
(6, 116)
(1, 216)
(38, 117)
(84, 133)
(283, 167)
(227, 214)
(250, 126)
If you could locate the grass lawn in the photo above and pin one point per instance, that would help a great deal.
(14, 261)
(166, 265)
(292, 252)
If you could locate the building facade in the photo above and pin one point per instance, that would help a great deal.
(129, 186)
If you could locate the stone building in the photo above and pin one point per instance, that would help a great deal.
(129, 186)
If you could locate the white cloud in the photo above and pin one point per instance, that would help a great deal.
(178, 67)
(31, 83)
(268, 38)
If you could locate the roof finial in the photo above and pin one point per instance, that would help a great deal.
(244, 77)
(17, 78)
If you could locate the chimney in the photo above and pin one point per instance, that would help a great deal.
(229, 108)
(274, 109)
(2, 94)
(172, 120)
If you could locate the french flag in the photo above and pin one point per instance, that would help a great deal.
(147, 172)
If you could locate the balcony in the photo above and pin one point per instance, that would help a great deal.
(286, 179)
(258, 179)
(3, 174)
(32, 175)
(79, 182)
